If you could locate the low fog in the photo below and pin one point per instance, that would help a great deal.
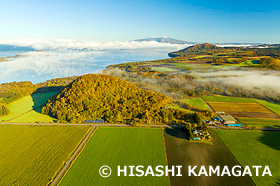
(245, 78)
(61, 58)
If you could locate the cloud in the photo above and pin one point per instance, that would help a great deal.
(244, 78)
(60, 58)
(67, 44)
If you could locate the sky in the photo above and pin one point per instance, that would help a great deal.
(121, 20)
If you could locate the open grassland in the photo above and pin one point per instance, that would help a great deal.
(255, 148)
(219, 98)
(182, 152)
(26, 104)
(163, 69)
(118, 146)
(262, 123)
(31, 155)
(198, 102)
(246, 110)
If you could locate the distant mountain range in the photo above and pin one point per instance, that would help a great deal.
(176, 41)
(166, 40)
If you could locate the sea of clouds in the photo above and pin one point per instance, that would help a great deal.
(62, 58)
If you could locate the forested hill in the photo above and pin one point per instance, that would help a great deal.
(203, 49)
(210, 49)
(98, 96)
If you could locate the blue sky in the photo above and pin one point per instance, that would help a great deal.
(103, 20)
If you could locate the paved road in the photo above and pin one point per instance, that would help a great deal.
(90, 124)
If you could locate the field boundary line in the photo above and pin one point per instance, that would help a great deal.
(69, 156)
(233, 155)
(269, 108)
(163, 135)
(24, 113)
(76, 153)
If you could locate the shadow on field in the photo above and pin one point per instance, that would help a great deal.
(277, 182)
(176, 132)
(271, 139)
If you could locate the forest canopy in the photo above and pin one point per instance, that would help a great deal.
(98, 96)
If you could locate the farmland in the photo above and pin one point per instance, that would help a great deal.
(251, 112)
(31, 155)
(185, 153)
(255, 148)
(260, 122)
(246, 110)
(29, 105)
(272, 106)
(198, 102)
(219, 98)
(118, 146)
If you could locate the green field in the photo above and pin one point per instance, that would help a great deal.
(219, 98)
(182, 152)
(198, 102)
(163, 69)
(272, 106)
(260, 123)
(255, 148)
(31, 155)
(27, 104)
(119, 146)
(34, 116)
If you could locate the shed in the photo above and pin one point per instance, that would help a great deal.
(227, 119)
(95, 121)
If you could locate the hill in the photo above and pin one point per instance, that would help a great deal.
(98, 96)
(203, 49)
(165, 40)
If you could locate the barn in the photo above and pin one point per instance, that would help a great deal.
(228, 119)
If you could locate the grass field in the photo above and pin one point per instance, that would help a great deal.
(34, 116)
(255, 148)
(198, 102)
(185, 153)
(26, 104)
(30, 155)
(119, 146)
(260, 122)
(163, 69)
(219, 98)
(272, 106)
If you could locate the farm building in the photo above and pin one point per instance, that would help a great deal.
(228, 119)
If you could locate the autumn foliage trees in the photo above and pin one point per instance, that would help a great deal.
(96, 96)
(3, 109)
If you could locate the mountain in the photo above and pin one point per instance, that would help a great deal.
(165, 40)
